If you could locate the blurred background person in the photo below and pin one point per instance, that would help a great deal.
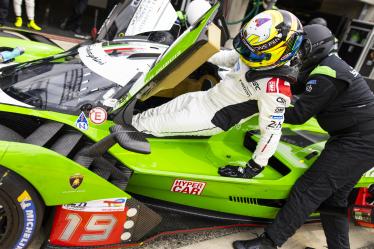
(323, 22)
(74, 21)
(4, 6)
(30, 9)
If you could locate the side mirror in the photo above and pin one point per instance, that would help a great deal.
(126, 136)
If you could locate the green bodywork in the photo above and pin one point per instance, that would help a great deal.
(33, 50)
(183, 158)
(50, 172)
(171, 159)
(51, 177)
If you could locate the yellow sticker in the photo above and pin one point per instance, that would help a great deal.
(24, 197)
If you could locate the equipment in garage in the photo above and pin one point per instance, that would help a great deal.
(363, 211)
(357, 48)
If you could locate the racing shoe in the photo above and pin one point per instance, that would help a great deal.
(18, 22)
(262, 242)
(250, 170)
(33, 25)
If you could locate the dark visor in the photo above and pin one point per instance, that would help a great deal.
(246, 50)
(307, 46)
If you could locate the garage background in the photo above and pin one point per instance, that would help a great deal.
(351, 21)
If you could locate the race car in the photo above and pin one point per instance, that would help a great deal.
(72, 164)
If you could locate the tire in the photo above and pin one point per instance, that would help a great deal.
(21, 211)
(9, 135)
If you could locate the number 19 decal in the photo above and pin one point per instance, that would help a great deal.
(74, 228)
(103, 224)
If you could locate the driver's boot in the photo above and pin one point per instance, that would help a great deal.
(262, 242)
(33, 25)
(18, 22)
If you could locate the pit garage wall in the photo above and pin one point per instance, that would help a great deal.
(357, 9)
(237, 11)
(349, 8)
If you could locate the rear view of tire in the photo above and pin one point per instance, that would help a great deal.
(21, 211)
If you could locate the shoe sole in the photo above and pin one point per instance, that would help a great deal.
(238, 245)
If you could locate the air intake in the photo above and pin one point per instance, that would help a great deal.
(257, 201)
(247, 200)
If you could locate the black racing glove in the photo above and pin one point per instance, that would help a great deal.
(250, 170)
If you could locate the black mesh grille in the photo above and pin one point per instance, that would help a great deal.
(257, 201)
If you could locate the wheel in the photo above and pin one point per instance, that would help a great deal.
(9, 135)
(21, 211)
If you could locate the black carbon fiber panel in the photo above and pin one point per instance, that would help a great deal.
(42, 135)
(145, 220)
(66, 143)
(129, 138)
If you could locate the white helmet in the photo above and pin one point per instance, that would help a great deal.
(196, 9)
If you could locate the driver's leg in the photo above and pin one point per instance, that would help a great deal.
(30, 10)
(184, 115)
(194, 113)
(17, 6)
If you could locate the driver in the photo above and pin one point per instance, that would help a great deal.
(257, 82)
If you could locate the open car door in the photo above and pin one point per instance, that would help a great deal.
(193, 48)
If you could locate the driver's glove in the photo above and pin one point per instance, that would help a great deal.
(250, 170)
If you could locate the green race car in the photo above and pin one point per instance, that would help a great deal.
(71, 162)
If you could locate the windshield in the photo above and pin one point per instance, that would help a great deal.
(98, 76)
(106, 74)
(65, 87)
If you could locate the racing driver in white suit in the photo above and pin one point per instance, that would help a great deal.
(254, 84)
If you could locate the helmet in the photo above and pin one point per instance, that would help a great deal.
(318, 20)
(318, 43)
(196, 9)
(270, 39)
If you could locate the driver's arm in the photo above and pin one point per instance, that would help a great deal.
(225, 58)
(271, 107)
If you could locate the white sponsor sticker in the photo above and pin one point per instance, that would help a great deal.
(98, 115)
(188, 187)
(103, 205)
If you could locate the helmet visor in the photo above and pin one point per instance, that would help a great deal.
(308, 48)
(247, 51)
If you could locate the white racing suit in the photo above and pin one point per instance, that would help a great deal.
(228, 103)
(30, 8)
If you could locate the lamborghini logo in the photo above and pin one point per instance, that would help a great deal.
(76, 180)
